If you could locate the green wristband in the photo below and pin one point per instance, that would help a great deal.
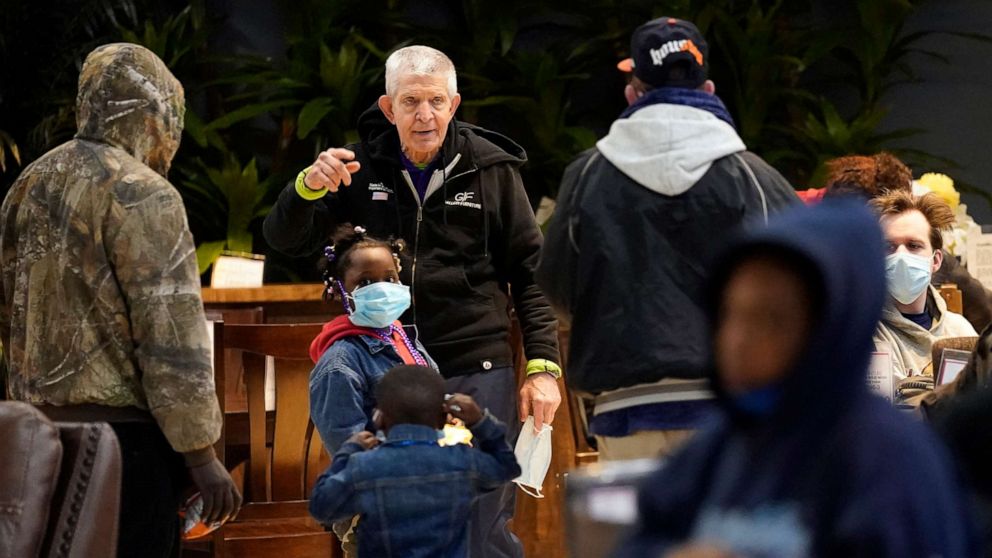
(539, 365)
(305, 192)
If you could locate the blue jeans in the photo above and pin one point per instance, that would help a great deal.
(489, 533)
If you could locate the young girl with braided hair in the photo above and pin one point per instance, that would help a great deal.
(354, 351)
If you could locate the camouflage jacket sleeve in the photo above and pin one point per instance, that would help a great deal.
(155, 263)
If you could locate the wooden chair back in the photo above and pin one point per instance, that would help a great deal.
(584, 453)
(284, 456)
(234, 394)
(285, 468)
(952, 296)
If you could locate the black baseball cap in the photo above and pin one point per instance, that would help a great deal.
(661, 44)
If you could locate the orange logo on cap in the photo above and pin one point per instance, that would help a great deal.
(690, 47)
(658, 55)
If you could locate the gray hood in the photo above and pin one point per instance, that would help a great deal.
(668, 148)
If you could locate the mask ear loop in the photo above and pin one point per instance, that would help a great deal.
(536, 493)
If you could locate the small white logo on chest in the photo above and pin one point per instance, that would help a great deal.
(463, 199)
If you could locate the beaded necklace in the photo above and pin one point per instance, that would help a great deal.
(385, 334)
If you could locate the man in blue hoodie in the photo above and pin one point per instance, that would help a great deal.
(803, 460)
(637, 218)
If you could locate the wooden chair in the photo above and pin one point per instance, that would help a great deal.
(235, 392)
(232, 447)
(585, 454)
(952, 296)
(285, 455)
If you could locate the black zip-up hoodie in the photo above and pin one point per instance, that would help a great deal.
(472, 238)
(637, 220)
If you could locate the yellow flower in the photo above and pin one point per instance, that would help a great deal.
(943, 186)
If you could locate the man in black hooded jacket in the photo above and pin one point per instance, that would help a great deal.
(637, 218)
(453, 192)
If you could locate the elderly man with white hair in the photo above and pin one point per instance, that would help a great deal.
(453, 192)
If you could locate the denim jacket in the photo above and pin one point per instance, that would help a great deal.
(342, 386)
(414, 496)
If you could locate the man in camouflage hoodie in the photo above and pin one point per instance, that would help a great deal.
(100, 309)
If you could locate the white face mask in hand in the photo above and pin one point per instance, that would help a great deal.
(533, 453)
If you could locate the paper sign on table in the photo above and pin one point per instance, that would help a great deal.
(880, 378)
(237, 269)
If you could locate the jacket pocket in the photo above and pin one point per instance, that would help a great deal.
(452, 283)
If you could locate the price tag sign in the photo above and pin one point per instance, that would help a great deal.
(952, 362)
(237, 269)
(880, 378)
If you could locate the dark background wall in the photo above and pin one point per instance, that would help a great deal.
(952, 103)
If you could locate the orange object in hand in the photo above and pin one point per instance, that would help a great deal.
(193, 527)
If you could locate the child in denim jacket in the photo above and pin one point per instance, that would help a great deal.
(413, 496)
(354, 350)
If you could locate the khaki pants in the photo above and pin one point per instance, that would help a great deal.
(645, 444)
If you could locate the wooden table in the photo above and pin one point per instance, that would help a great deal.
(292, 303)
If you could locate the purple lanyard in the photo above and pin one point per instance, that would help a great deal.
(386, 335)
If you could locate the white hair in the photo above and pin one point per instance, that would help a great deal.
(419, 60)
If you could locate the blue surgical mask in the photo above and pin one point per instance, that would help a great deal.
(908, 275)
(380, 304)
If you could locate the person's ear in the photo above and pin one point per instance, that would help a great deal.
(708, 87)
(385, 103)
(938, 259)
(455, 101)
(630, 94)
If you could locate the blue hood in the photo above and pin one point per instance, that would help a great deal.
(840, 242)
(834, 471)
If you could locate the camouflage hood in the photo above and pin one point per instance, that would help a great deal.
(129, 99)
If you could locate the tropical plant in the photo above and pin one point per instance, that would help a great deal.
(540, 71)
(521, 66)
(758, 57)
(7, 145)
(870, 54)
(176, 40)
(225, 202)
(316, 96)
(40, 70)
(539, 103)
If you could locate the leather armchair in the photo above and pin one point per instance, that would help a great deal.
(59, 486)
